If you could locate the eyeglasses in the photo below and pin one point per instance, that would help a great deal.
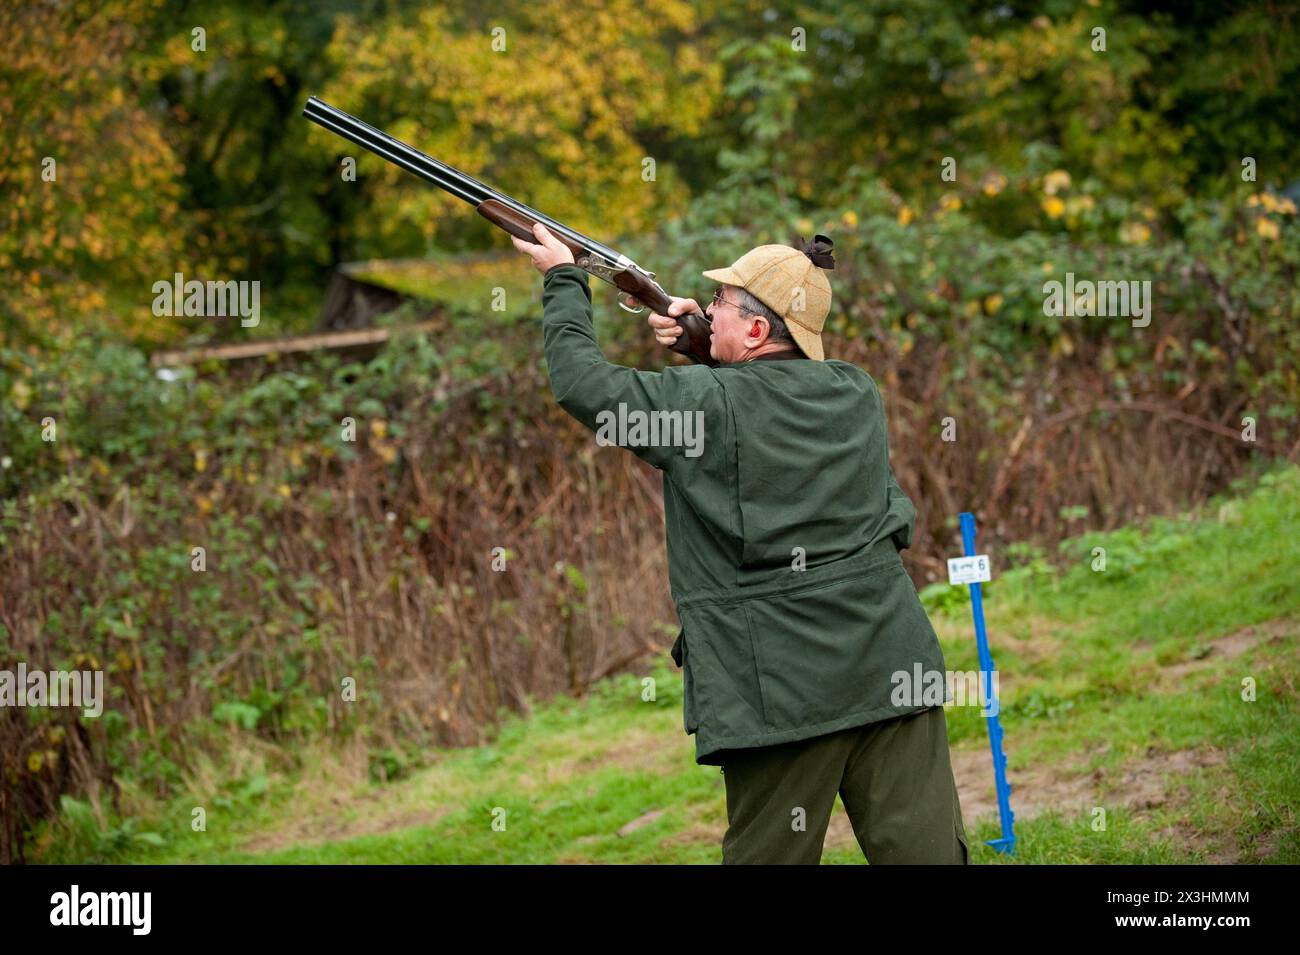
(719, 300)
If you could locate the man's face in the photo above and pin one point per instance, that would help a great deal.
(732, 336)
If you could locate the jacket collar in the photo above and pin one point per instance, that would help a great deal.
(793, 353)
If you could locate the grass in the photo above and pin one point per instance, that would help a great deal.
(1127, 734)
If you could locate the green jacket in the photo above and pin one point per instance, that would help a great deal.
(794, 461)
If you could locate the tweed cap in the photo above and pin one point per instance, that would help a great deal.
(790, 281)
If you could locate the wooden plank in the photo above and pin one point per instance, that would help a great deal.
(280, 346)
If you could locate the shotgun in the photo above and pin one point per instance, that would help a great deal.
(518, 219)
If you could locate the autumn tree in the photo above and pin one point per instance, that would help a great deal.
(88, 219)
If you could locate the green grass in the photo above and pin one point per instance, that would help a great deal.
(1109, 680)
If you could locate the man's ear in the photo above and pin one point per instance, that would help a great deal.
(756, 330)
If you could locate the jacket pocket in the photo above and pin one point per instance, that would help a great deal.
(722, 673)
(833, 651)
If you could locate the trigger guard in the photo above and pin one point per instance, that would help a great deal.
(628, 308)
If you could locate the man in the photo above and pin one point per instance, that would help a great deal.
(798, 620)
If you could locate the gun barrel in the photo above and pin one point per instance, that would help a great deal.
(445, 177)
(386, 147)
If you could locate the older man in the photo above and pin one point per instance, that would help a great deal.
(783, 532)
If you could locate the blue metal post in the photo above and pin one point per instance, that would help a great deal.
(1007, 843)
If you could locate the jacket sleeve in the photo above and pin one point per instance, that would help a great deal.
(599, 393)
(900, 511)
(901, 504)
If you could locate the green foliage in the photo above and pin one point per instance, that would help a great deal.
(242, 715)
(1118, 165)
(943, 598)
(1039, 704)
(84, 841)
(388, 765)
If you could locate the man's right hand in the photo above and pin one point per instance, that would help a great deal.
(665, 328)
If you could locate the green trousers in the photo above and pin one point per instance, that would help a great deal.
(894, 777)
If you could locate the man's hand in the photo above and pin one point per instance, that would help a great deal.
(666, 330)
(547, 252)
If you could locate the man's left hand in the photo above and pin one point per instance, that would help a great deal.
(547, 252)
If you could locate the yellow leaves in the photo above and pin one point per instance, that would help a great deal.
(1056, 181)
(905, 215)
(284, 490)
(204, 504)
(378, 432)
(805, 226)
(992, 304)
(1076, 204)
(20, 395)
(1264, 226)
(200, 460)
(71, 81)
(34, 763)
(1054, 207)
(850, 218)
(993, 184)
(1134, 233)
(555, 88)
(949, 202)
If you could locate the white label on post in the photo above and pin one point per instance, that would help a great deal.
(968, 570)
